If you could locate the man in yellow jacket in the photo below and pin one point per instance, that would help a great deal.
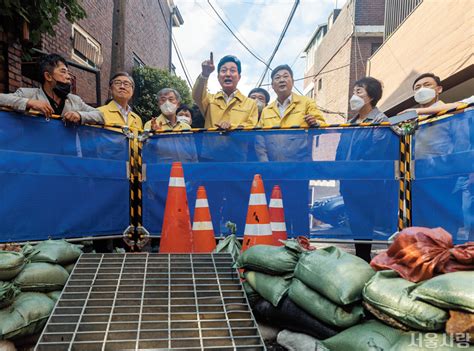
(169, 101)
(118, 112)
(289, 109)
(228, 108)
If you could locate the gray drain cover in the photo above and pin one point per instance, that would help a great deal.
(152, 301)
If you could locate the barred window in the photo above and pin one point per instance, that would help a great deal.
(85, 47)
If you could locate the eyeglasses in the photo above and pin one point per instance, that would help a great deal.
(118, 83)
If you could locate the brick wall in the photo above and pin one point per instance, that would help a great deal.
(146, 35)
(369, 12)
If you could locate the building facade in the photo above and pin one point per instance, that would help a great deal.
(146, 40)
(337, 54)
(425, 36)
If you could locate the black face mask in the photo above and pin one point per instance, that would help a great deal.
(62, 89)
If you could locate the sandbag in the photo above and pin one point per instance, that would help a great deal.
(296, 341)
(69, 268)
(389, 293)
(8, 291)
(451, 291)
(271, 287)
(419, 253)
(383, 317)
(11, 263)
(415, 341)
(289, 316)
(41, 276)
(6, 345)
(229, 244)
(276, 260)
(252, 295)
(368, 336)
(56, 251)
(461, 323)
(26, 316)
(335, 274)
(54, 295)
(322, 308)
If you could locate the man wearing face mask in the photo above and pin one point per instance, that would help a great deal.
(362, 200)
(440, 138)
(228, 108)
(261, 97)
(434, 142)
(54, 96)
(169, 101)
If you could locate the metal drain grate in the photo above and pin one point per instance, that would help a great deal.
(152, 301)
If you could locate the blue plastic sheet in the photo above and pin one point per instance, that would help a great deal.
(59, 181)
(311, 166)
(444, 176)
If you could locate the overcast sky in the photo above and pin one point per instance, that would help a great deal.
(258, 23)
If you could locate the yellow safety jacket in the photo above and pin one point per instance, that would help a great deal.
(112, 115)
(241, 110)
(299, 107)
(165, 124)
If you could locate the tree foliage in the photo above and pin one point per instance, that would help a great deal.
(41, 15)
(148, 82)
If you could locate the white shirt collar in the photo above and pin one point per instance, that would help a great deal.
(124, 112)
(282, 107)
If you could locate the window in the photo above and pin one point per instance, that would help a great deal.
(85, 48)
(374, 47)
(137, 61)
(320, 84)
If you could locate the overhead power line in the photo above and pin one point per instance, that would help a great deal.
(235, 36)
(280, 39)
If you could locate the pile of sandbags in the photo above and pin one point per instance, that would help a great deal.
(268, 273)
(31, 280)
(328, 285)
(268, 269)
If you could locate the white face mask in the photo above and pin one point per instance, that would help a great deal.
(424, 95)
(184, 119)
(260, 106)
(168, 108)
(356, 103)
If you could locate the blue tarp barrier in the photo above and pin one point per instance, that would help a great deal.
(356, 164)
(444, 176)
(59, 181)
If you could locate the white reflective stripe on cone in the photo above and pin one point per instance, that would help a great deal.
(201, 203)
(177, 182)
(277, 203)
(257, 199)
(202, 226)
(258, 229)
(278, 226)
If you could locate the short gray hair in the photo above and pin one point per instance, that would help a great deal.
(122, 74)
(169, 90)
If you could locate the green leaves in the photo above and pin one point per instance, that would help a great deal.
(42, 15)
(148, 82)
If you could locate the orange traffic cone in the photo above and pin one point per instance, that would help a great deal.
(176, 234)
(257, 226)
(277, 216)
(203, 232)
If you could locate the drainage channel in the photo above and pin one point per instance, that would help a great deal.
(152, 301)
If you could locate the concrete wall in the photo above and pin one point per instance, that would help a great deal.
(437, 37)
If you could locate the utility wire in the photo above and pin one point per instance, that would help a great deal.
(234, 35)
(277, 46)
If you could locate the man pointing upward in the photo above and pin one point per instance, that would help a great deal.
(228, 108)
